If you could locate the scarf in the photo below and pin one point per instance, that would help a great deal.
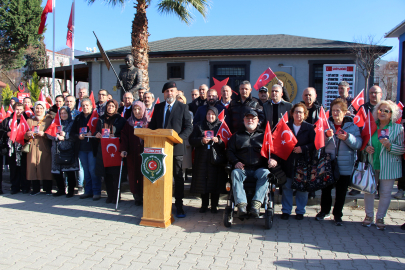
(133, 119)
(214, 125)
(110, 117)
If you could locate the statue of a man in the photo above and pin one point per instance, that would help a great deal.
(131, 77)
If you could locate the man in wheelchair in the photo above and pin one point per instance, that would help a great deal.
(243, 152)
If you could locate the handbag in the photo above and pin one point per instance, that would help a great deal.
(64, 157)
(279, 174)
(26, 148)
(218, 158)
(302, 175)
(322, 173)
(363, 178)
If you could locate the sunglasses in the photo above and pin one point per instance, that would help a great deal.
(384, 111)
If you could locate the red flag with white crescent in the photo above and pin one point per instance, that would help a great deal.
(224, 133)
(70, 26)
(53, 128)
(319, 133)
(401, 107)
(358, 101)
(285, 117)
(93, 102)
(42, 98)
(13, 128)
(264, 79)
(360, 118)
(92, 124)
(28, 111)
(368, 130)
(327, 114)
(284, 140)
(221, 116)
(9, 111)
(3, 114)
(111, 155)
(21, 130)
(267, 146)
(157, 102)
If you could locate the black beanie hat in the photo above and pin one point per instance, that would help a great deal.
(168, 85)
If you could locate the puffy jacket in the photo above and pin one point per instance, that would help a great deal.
(237, 111)
(347, 148)
(245, 147)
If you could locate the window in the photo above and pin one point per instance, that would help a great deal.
(175, 71)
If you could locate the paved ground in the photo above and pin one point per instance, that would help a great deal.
(44, 232)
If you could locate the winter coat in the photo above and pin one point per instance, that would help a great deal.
(133, 145)
(81, 145)
(207, 178)
(202, 112)
(39, 158)
(116, 130)
(305, 138)
(237, 110)
(347, 148)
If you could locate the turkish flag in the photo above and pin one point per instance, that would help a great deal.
(221, 116)
(3, 114)
(401, 107)
(28, 111)
(264, 79)
(358, 101)
(327, 114)
(325, 118)
(218, 85)
(111, 155)
(9, 111)
(369, 128)
(42, 98)
(267, 146)
(285, 117)
(47, 9)
(22, 129)
(224, 133)
(93, 102)
(70, 26)
(157, 102)
(53, 128)
(320, 126)
(283, 140)
(360, 118)
(91, 124)
(13, 128)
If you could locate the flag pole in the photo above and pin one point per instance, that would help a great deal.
(53, 50)
(72, 90)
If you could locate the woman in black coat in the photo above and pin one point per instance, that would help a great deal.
(207, 178)
(305, 135)
(113, 121)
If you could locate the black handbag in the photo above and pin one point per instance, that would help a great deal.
(279, 174)
(302, 175)
(64, 157)
(218, 158)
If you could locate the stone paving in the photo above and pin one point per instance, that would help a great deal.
(44, 232)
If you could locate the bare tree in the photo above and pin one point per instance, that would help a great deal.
(367, 50)
(388, 78)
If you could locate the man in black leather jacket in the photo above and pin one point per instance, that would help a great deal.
(243, 104)
(243, 153)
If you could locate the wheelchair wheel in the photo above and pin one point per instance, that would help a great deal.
(228, 216)
(269, 218)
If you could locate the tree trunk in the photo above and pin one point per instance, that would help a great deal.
(139, 41)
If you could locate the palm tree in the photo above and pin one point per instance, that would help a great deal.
(140, 34)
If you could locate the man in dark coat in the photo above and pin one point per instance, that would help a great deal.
(83, 92)
(244, 103)
(174, 115)
(344, 88)
(201, 100)
(275, 108)
(309, 99)
(374, 97)
(244, 155)
(127, 98)
(212, 97)
(191, 106)
(102, 101)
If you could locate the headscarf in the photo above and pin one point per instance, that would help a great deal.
(133, 119)
(211, 126)
(64, 122)
(42, 103)
(15, 99)
(110, 117)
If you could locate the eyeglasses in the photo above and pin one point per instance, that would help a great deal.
(375, 93)
(298, 112)
(384, 111)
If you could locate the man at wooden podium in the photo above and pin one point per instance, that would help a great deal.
(171, 114)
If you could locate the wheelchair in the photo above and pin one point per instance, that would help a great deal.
(250, 187)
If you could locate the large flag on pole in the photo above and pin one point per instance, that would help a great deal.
(47, 9)
(265, 78)
(70, 26)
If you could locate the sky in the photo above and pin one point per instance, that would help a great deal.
(342, 20)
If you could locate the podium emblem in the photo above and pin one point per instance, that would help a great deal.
(153, 163)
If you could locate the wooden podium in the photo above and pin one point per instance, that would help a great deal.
(157, 196)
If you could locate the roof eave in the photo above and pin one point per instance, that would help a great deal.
(396, 31)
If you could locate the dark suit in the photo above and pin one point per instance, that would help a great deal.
(127, 112)
(283, 107)
(180, 121)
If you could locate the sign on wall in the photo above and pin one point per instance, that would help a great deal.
(332, 75)
(289, 83)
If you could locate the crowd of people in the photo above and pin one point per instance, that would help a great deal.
(203, 149)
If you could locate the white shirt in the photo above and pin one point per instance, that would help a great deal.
(296, 129)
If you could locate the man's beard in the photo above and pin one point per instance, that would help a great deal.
(170, 99)
(212, 102)
(251, 126)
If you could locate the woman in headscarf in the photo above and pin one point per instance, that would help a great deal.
(207, 177)
(112, 121)
(64, 143)
(39, 157)
(131, 147)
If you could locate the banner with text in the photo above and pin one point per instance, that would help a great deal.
(332, 75)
